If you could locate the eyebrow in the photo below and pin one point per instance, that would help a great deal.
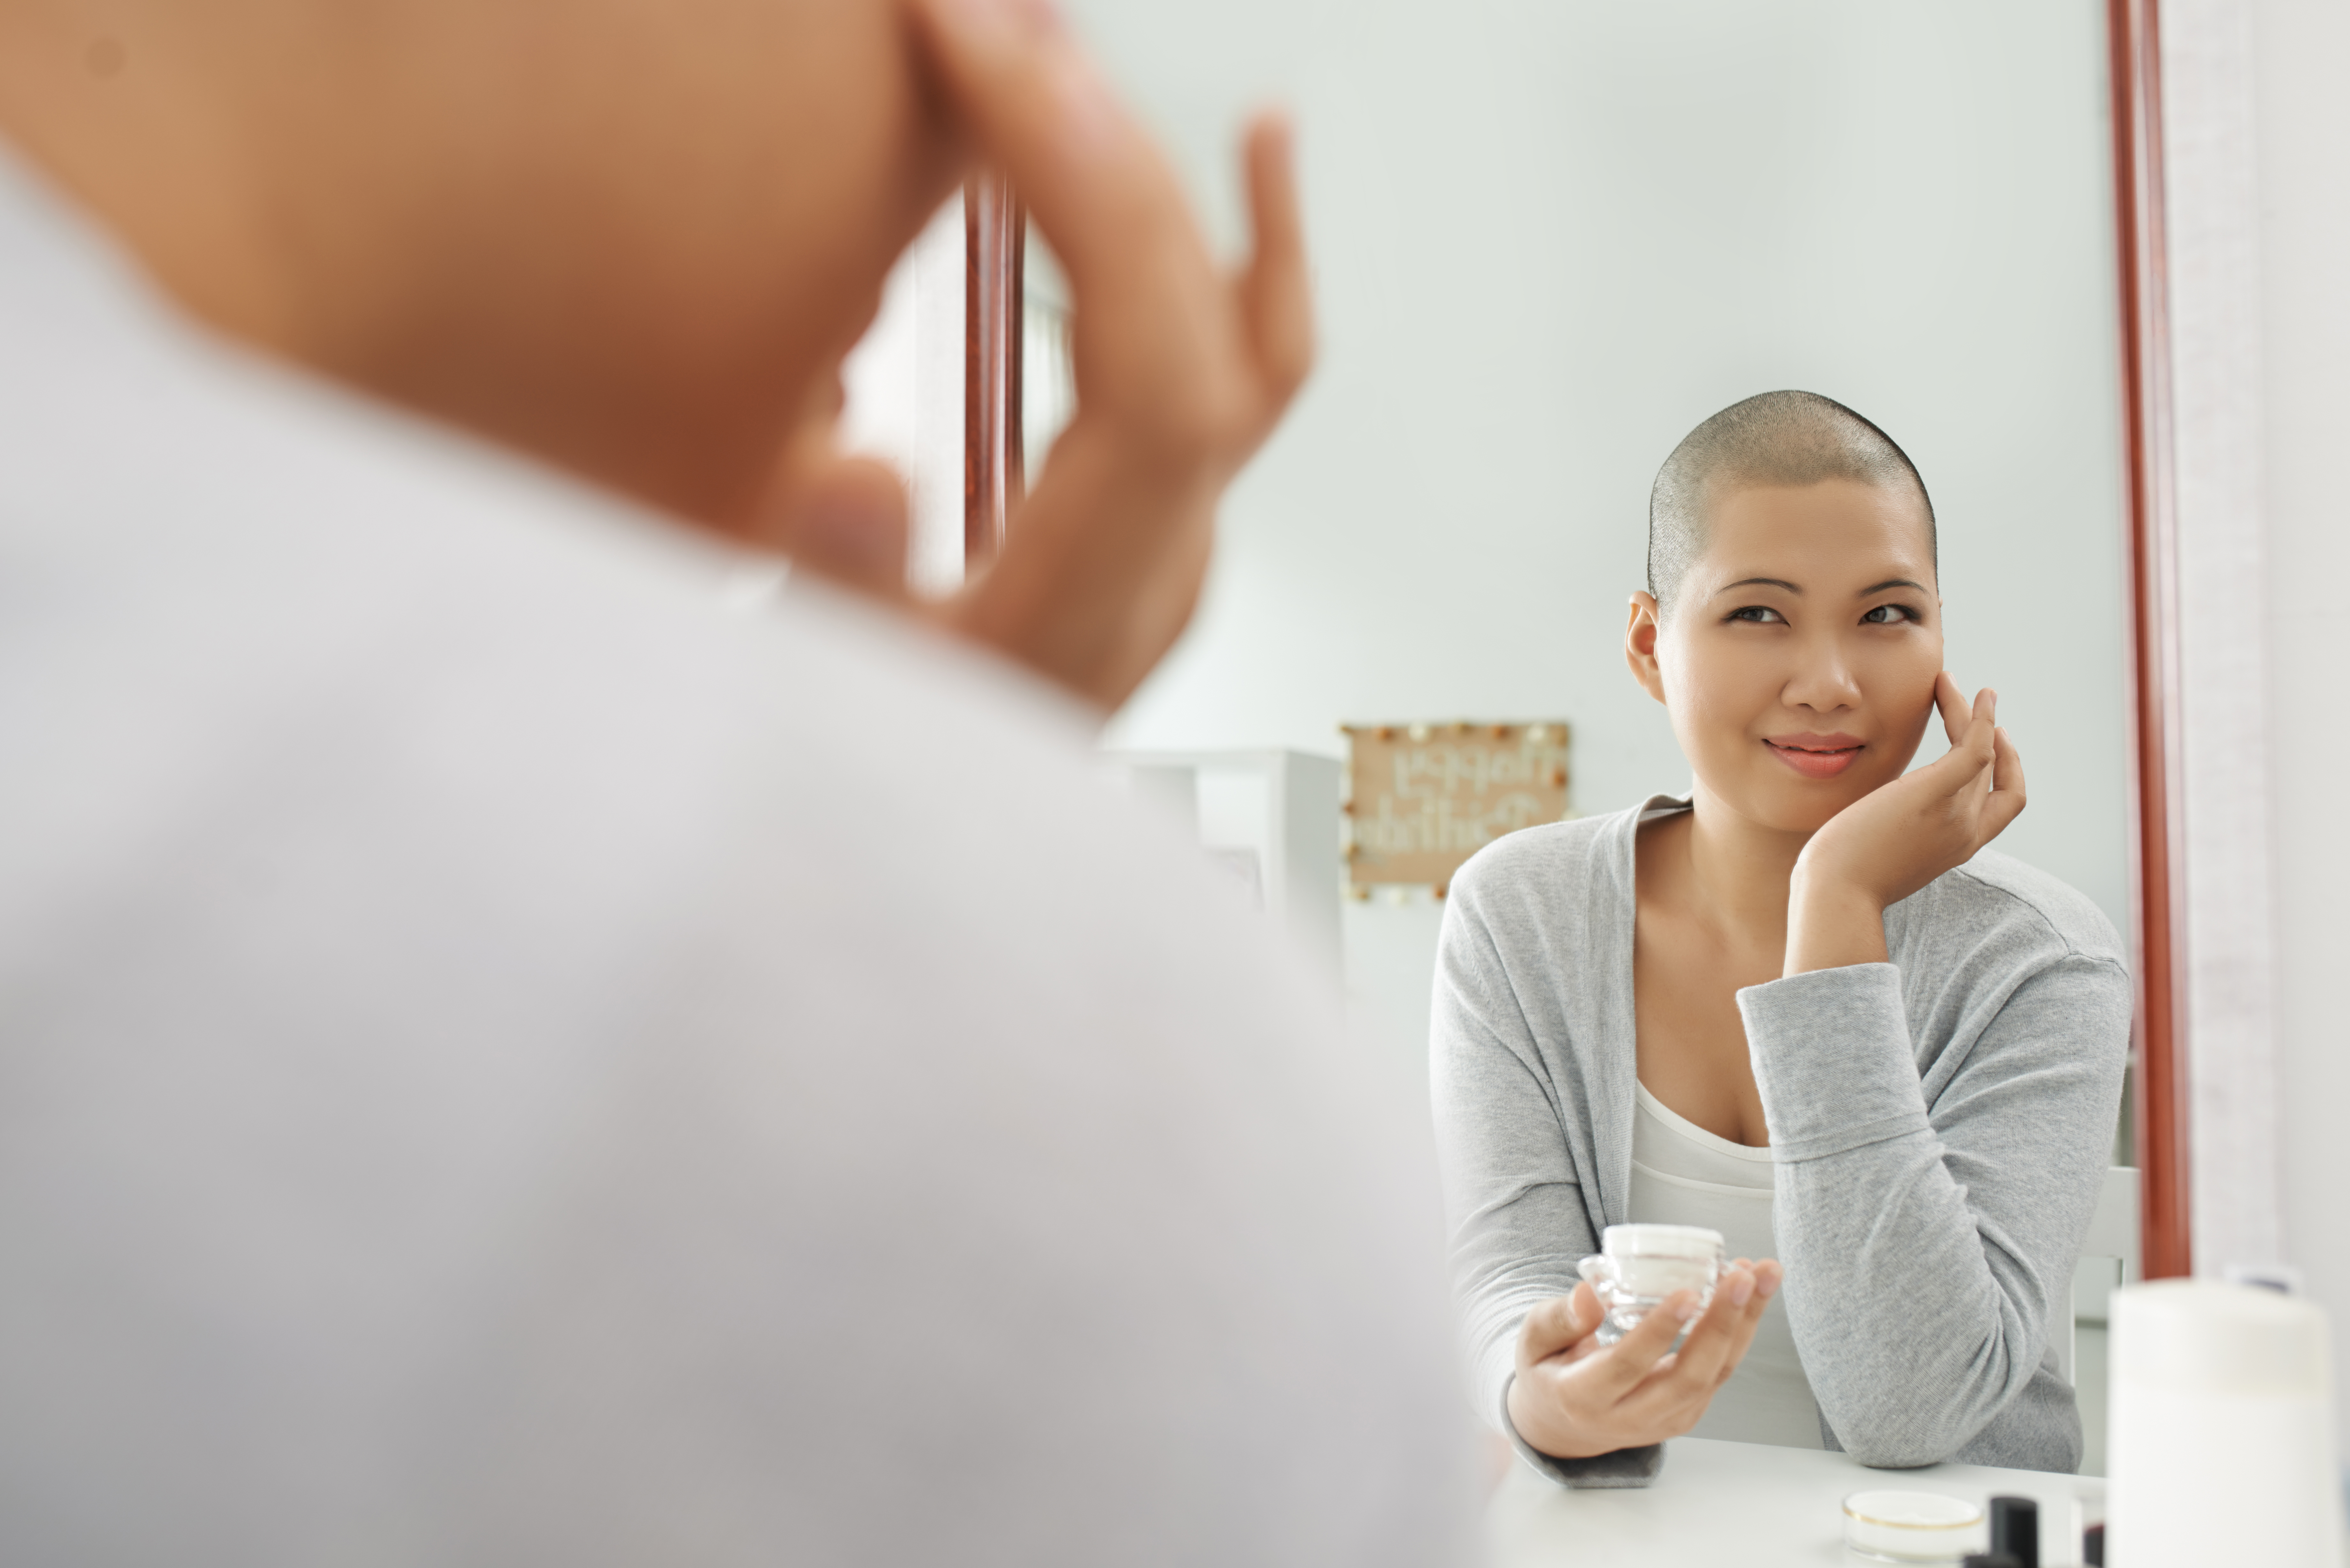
(1793, 588)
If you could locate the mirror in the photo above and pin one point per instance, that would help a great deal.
(1550, 240)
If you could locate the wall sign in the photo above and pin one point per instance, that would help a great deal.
(1422, 798)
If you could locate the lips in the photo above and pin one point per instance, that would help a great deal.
(1816, 757)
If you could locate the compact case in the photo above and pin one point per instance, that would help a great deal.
(1913, 1526)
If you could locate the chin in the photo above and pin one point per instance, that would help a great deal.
(1792, 805)
(1805, 817)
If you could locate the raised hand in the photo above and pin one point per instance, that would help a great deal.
(1574, 1398)
(1182, 369)
(1893, 841)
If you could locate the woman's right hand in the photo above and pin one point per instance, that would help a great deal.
(1574, 1398)
(1182, 367)
(1900, 836)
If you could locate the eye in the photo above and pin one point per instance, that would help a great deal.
(1891, 615)
(1759, 615)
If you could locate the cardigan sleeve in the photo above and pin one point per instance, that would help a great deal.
(1515, 1214)
(1926, 1243)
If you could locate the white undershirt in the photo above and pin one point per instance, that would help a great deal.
(1684, 1175)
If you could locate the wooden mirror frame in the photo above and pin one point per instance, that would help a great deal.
(995, 248)
(2156, 819)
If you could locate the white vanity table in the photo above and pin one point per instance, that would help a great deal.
(1743, 1505)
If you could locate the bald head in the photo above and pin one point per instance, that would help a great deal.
(1775, 438)
(634, 238)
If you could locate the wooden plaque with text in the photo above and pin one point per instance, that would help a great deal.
(1422, 798)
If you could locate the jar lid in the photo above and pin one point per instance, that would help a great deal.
(1912, 1526)
(1694, 1242)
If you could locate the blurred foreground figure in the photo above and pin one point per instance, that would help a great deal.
(504, 1060)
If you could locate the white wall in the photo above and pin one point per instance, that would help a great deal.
(2302, 52)
(2217, 479)
(1548, 240)
(904, 386)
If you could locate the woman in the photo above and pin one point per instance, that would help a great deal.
(1803, 1006)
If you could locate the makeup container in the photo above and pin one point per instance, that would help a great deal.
(2221, 1430)
(2015, 1530)
(1637, 1266)
(1913, 1527)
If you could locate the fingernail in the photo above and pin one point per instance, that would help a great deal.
(1741, 1289)
(1768, 1284)
(1687, 1310)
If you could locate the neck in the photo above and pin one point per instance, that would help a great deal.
(1740, 870)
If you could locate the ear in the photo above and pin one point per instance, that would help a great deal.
(1640, 645)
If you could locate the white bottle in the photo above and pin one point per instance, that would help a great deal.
(2219, 1445)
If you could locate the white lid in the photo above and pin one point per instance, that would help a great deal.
(1912, 1509)
(1693, 1241)
(2222, 1339)
(1913, 1526)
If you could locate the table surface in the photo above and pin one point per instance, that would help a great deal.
(1743, 1505)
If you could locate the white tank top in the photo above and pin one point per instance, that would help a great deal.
(1684, 1175)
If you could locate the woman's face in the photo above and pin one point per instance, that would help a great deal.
(1800, 658)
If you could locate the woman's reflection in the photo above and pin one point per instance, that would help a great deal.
(1804, 1007)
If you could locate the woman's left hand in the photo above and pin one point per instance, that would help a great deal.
(1894, 840)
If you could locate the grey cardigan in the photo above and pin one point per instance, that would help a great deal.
(1941, 1124)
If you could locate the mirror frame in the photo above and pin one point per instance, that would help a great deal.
(995, 236)
(2156, 819)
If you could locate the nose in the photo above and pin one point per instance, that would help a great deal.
(1822, 681)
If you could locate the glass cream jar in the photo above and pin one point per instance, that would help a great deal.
(1637, 1266)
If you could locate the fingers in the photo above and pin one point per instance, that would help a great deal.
(1953, 706)
(1960, 718)
(845, 520)
(1986, 708)
(1180, 369)
(1091, 177)
(2007, 794)
(1979, 748)
(1711, 1350)
(1557, 1324)
(1969, 727)
(1038, 107)
(1750, 1323)
(2007, 765)
(1589, 1312)
(1678, 1394)
(1276, 296)
(1974, 736)
(1635, 1357)
(1641, 1388)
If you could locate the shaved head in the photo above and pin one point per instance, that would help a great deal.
(634, 238)
(1775, 438)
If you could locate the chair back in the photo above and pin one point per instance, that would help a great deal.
(2113, 1234)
